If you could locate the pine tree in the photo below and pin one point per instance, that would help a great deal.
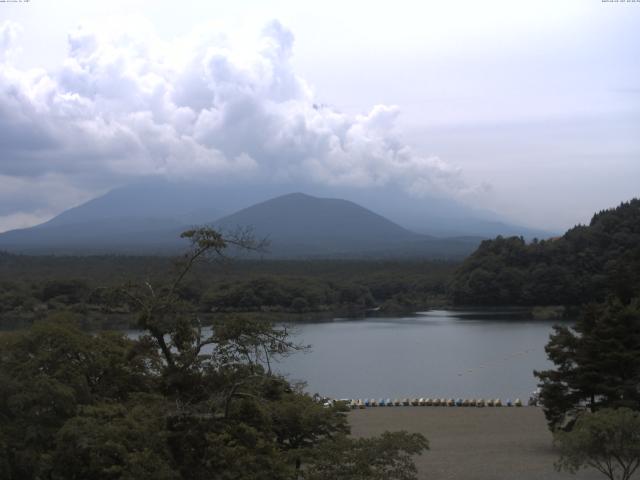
(597, 363)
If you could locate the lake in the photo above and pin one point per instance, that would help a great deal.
(438, 353)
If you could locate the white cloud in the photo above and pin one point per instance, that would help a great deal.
(125, 105)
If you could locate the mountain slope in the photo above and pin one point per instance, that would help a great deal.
(111, 235)
(195, 202)
(429, 215)
(318, 223)
(297, 225)
(147, 200)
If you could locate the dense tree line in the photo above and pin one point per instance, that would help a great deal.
(33, 287)
(175, 403)
(586, 264)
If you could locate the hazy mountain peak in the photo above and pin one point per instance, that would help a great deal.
(152, 212)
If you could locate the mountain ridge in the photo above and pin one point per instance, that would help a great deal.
(298, 225)
(148, 218)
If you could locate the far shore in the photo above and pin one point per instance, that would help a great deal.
(473, 443)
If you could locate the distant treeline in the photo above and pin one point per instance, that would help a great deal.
(586, 264)
(33, 287)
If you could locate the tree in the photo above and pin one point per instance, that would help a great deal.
(183, 401)
(597, 363)
(608, 440)
(48, 376)
(586, 264)
(121, 441)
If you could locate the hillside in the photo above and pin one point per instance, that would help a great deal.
(188, 203)
(302, 225)
(306, 224)
(586, 264)
(297, 226)
(109, 235)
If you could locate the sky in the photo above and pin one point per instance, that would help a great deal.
(529, 109)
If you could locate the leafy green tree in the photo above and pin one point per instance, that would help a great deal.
(115, 441)
(182, 401)
(48, 375)
(597, 363)
(608, 440)
(300, 423)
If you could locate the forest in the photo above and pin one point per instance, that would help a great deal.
(75, 405)
(78, 401)
(31, 287)
(587, 264)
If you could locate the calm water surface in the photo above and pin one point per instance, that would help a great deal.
(431, 354)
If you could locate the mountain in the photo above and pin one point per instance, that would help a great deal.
(302, 225)
(436, 216)
(586, 264)
(171, 202)
(296, 225)
(195, 202)
(148, 216)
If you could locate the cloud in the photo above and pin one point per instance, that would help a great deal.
(125, 105)
(9, 31)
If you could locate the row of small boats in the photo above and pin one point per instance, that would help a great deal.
(432, 402)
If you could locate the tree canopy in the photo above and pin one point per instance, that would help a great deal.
(608, 440)
(181, 401)
(586, 264)
(597, 363)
